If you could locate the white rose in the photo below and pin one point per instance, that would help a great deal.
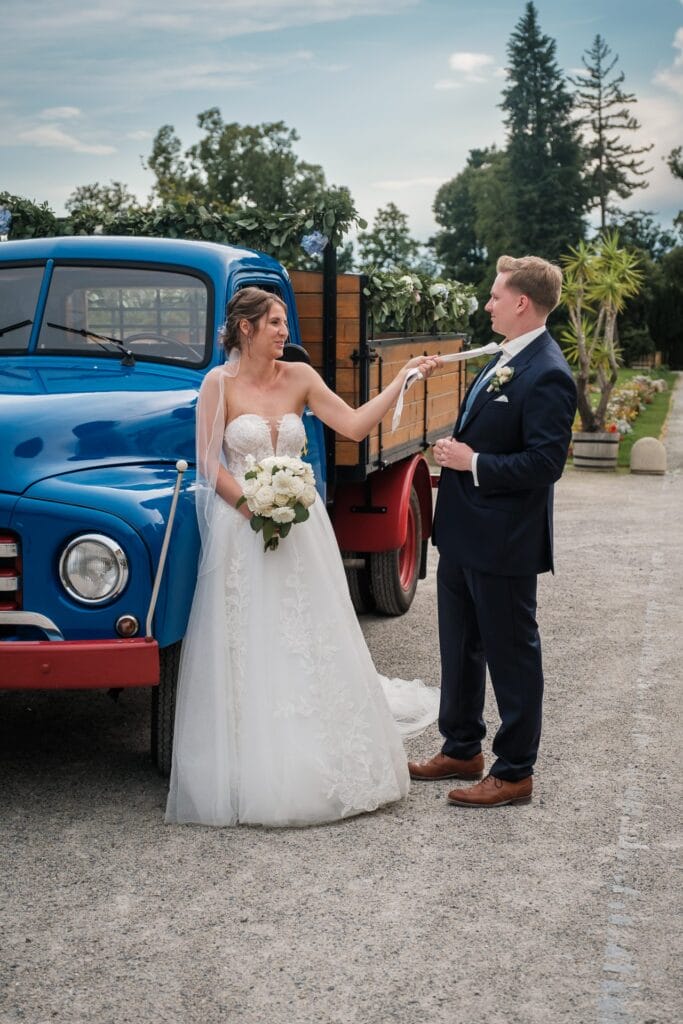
(263, 499)
(250, 487)
(283, 515)
(307, 496)
(281, 500)
(296, 486)
(282, 482)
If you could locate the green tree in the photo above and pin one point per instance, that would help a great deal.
(239, 166)
(665, 314)
(544, 159)
(459, 247)
(611, 164)
(389, 244)
(675, 162)
(95, 206)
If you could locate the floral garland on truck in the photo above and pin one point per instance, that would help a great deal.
(405, 301)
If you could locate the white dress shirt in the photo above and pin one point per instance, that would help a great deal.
(510, 349)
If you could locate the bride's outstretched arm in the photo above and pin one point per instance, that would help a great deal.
(357, 423)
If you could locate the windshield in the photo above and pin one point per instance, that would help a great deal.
(156, 314)
(19, 287)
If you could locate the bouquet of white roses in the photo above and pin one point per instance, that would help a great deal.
(278, 491)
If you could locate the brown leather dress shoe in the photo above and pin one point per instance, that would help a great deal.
(443, 767)
(493, 792)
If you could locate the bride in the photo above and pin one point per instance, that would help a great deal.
(281, 716)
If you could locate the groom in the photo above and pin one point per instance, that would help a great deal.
(493, 527)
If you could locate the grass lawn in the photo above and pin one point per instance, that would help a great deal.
(650, 422)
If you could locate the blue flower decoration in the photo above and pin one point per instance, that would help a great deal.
(314, 243)
(5, 220)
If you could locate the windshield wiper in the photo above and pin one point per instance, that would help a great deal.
(128, 357)
(14, 327)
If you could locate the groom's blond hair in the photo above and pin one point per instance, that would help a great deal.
(534, 277)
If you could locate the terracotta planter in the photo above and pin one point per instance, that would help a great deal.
(598, 450)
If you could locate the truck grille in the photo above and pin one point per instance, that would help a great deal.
(10, 572)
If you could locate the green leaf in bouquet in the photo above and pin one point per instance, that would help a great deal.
(301, 513)
(251, 474)
(257, 523)
(285, 528)
(240, 501)
(269, 529)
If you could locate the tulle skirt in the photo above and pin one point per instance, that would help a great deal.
(281, 716)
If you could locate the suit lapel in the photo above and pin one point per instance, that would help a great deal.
(481, 373)
(519, 362)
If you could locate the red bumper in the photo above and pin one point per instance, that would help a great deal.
(78, 664)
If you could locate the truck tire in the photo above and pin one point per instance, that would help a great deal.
(163, 708)
(360, 588)
(394, 574)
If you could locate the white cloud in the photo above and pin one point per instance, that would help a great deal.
(220, 18)
(60, 113)
(52, 136)
(471, 68)
(469, 63)
(139, 136)
(672, 77)
(660, 119)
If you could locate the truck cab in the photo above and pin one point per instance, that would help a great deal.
(104, 343)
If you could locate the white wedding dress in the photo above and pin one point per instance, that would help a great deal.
(282, 718)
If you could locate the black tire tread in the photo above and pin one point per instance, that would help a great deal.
(163, 708)
(390, 597)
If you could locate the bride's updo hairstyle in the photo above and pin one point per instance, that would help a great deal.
(249, 304)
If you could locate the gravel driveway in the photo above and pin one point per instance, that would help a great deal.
(560, 911)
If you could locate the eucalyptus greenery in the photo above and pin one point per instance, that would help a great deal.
(332, 213)
(404, 301)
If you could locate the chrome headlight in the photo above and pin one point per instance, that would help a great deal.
(93, 568)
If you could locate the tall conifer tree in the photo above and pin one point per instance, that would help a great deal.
(543, 151)
(612, 164)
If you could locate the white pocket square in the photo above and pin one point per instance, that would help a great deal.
(501, 398)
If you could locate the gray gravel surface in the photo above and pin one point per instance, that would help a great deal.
(561, 911)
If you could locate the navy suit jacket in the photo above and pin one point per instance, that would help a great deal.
(505, 525)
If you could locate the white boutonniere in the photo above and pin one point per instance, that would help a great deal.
(500, 377)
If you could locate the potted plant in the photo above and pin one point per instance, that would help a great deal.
(599, 277)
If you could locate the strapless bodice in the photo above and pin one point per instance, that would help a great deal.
(251, 434)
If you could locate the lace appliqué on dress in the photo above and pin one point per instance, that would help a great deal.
(352, 772)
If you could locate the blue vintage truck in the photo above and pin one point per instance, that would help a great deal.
(104, 342)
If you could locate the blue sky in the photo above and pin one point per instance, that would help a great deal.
(387, 95)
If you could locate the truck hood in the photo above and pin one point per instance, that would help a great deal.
(64, 416)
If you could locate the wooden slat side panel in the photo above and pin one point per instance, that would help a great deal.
(348, 283)
(306, 281)
(443, 394)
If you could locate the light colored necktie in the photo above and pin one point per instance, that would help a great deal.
(476, 388)
(453, 357)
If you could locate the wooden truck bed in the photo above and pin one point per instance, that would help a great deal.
(363, 365)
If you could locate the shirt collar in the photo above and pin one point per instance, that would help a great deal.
(513, 347)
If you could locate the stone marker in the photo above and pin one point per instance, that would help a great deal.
(648, 455)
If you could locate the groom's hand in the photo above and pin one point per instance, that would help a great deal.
(452, 454)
